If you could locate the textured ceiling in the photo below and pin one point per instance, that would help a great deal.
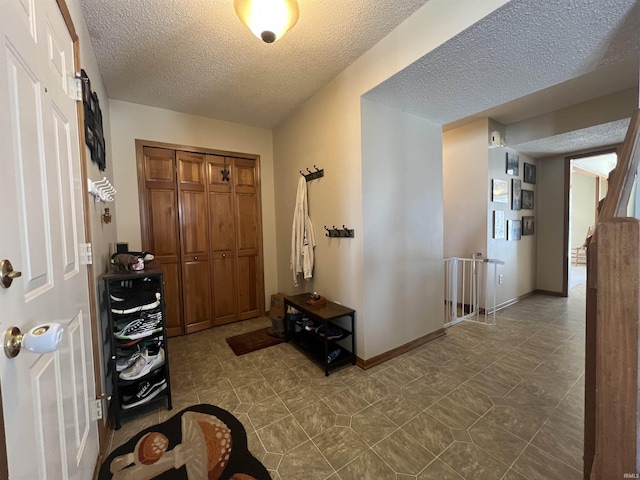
(526, 46)
(195, 56)
(585, 139)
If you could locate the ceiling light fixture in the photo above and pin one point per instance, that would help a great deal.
(267, 19)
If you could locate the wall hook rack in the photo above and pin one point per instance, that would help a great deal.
(343, 232)
(102, 190)
(312, 175)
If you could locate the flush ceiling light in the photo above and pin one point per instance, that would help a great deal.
(267, 19)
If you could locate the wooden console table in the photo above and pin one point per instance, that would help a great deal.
(311, 341)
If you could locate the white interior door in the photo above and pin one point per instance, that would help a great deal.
(49, 427)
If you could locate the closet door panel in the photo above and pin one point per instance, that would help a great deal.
(160, 228)
(197, 295)
(193, 217)
(225, 292)
(247, 234)
(173, 297)
(248, 306)
(222, 222)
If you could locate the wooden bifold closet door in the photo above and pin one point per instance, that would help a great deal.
(200, 216)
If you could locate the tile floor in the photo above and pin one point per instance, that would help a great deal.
(503, 402)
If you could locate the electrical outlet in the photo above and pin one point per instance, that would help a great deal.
(501, 279)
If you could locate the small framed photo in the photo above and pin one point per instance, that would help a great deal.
(528, 225)
(529, 173)
(513, 164)
(498, 224)
(516, 198)
(499, 191)
(515, 229)
(527, 199)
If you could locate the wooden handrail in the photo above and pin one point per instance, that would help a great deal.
(612, 406)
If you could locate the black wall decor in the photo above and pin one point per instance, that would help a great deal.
(93, 133)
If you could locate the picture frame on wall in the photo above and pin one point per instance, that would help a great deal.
(528, 225)
(516, 194)
(527, 199)
(513, 164)
(530, 173)
(499, 191)
(498, 224)
(515, 229)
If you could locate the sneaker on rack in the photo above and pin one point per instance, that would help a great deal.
(138, 302)
(125, 361)
(146, 391)
(332, 332)
(145, 363)
(140, 327)
(311, 326)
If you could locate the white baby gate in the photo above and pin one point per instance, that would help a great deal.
(469, 295)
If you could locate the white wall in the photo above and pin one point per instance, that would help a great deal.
(402, 227)
(465, 169)
(550, 229)
(130, 121)
(326, 131)
(583, 206)
(520, 256)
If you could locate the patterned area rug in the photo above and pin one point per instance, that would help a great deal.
(252, 341)
(201, 442)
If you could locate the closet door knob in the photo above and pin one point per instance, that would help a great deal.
(224, 255)
(195, 258)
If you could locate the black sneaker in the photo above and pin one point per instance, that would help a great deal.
(145, 326)
(147, 390)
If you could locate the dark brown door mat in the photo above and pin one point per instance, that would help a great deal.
(252, 341)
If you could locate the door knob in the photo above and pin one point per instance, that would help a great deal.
(40, 339)
(7, 273)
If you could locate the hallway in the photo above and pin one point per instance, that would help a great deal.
(503, 402)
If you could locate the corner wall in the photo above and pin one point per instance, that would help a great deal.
(402, 227)
(326, 131)
(131, 121)
(465, 168)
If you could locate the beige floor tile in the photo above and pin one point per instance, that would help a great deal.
(563, 447)
(267, 412)
(403, 453)
(298, 398)
(369, 465)
(568, 423)
(470, 461)
(282, 436)
(306, 462)
(398, 409)
(452, 414)
(370, 389)
(534, 464)
(471, 399)
(316, 418)
(371, 425)
(346, 402)
(438, 471)
(431, 434)
(420, 392)
(514, 421)
(497, 441)
(340, 445)
(255, 392)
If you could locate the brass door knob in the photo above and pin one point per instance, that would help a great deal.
(7, 273)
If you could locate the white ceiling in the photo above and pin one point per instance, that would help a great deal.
(525, 59)
(195, 56)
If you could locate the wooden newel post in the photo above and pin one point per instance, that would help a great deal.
(617, 363)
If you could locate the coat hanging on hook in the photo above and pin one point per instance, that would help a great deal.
(302, 237)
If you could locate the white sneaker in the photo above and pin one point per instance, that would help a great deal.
(125, 362)
(143, 365)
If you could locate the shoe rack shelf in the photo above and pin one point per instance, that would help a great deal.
(325, 318)
(140, 295)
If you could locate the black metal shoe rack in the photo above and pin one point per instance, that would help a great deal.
(150, 277)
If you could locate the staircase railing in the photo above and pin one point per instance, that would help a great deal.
(612, 366)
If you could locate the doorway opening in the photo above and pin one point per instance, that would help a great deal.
(587, 179)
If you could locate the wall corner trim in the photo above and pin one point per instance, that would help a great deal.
(383, 357)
